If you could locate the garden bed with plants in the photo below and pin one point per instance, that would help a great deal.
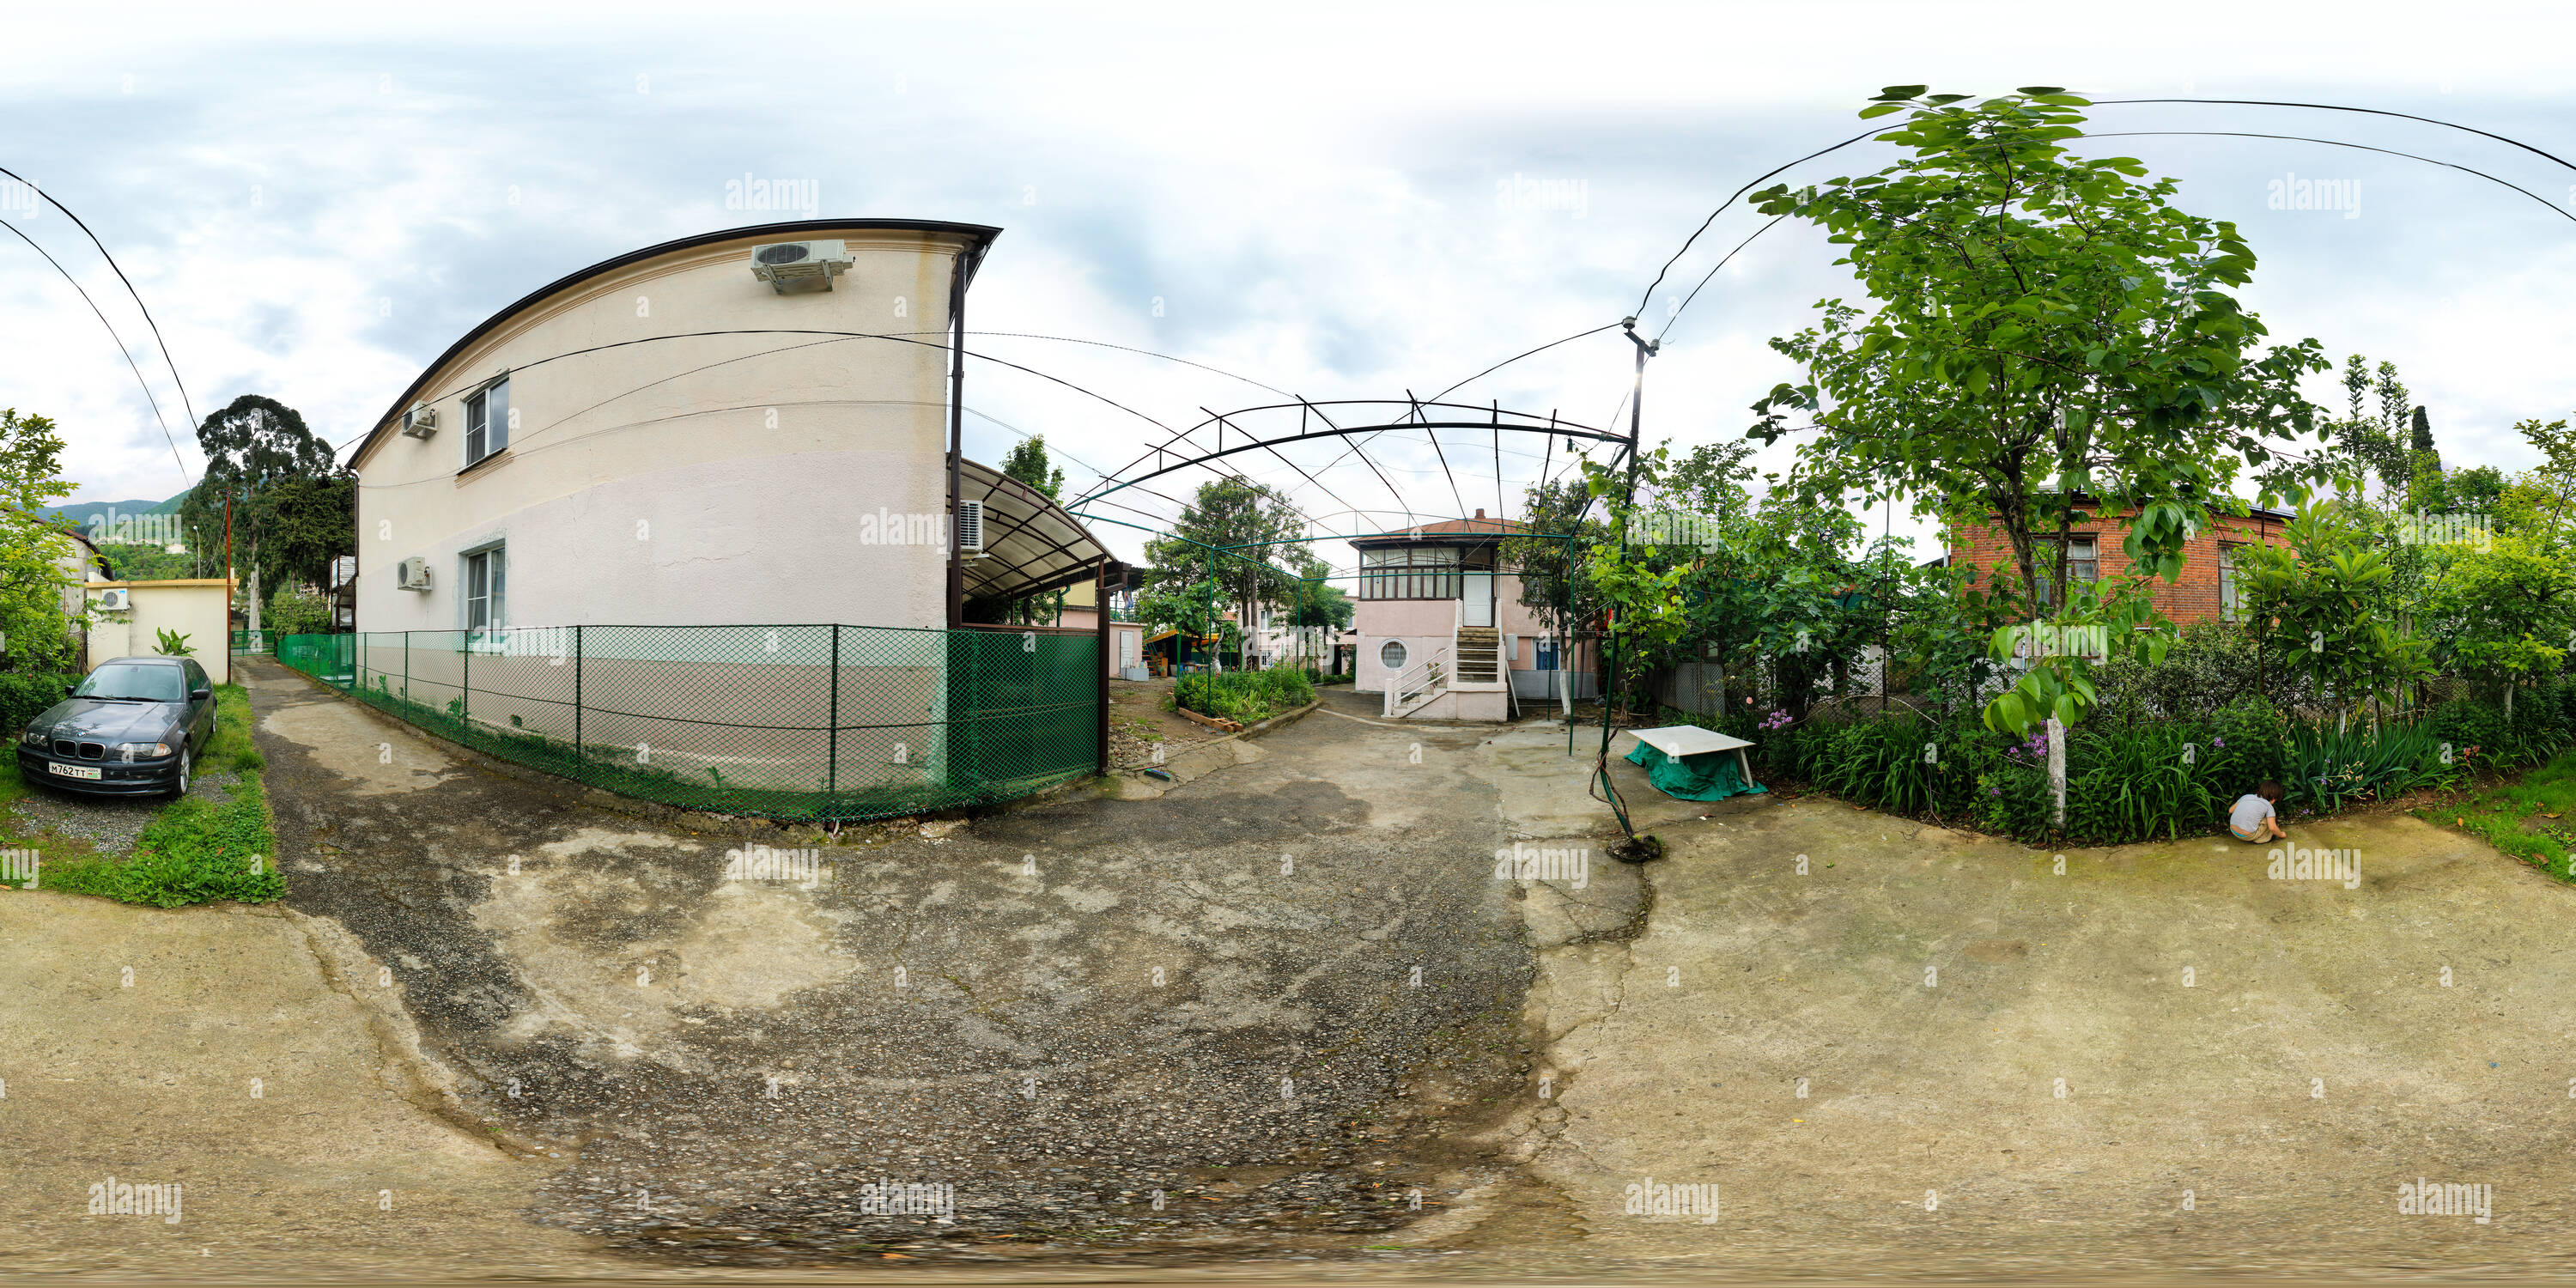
(1244, 697)
(2167, 778)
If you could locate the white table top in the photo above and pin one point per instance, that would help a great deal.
(1687, 740)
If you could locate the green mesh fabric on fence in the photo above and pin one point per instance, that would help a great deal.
(799, 723)
(254, 642)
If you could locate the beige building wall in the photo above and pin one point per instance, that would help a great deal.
(691, 480)
(194, 607)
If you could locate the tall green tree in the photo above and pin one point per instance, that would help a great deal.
(1257, 531)
(1028, 463)
(2046, 331)
(306, 522)
(2044, 328)
(32, 545)
(253, 447)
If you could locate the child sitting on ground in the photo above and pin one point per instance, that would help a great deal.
(2254, 819)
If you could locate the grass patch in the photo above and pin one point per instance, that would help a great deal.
(196, 851)
(2523, 818)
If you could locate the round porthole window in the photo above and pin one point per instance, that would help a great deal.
(1391, 655)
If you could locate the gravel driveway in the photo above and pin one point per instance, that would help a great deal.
(1253, 1014)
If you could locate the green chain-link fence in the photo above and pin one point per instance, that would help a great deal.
(799, 723)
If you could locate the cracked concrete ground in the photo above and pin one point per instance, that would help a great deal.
(705, 1069)
(1932, 1053)
(1239, 1014)
(229, 1051)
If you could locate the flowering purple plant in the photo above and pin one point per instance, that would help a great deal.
(2218, 742)
(1776, 720)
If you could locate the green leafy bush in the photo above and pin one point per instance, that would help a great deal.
(296, 611)
(2013, 802)
(2130, 782)
(1243, 696)
(24, 695)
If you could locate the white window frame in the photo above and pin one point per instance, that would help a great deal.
(482, 428)
(493, 561)
(1402, 656)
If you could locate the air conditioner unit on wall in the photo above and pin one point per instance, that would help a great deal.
(421, 421)
(970, 527)
(115, 601)
(412, 574)
(793, 268)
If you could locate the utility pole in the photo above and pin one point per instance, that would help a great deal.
(1627, 498)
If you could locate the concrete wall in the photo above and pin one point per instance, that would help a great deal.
(195, 607)
(690, 480)
(1131, 633)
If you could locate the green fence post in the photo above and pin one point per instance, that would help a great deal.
(465, 686)
(832, 756)
(580, 753)
(406, 689)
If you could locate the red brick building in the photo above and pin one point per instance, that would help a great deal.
(2206, 592)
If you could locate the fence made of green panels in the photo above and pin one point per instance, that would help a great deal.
(798, 723)
(255, 642)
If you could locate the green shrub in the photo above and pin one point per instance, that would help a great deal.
(296, 611)
(1243, 696)
(24, 695)
(2013, 802)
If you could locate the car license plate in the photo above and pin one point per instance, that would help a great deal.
(72, 771)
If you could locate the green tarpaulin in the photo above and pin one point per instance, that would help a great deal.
(1709, 777)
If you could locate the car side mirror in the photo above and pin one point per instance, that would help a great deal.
(200, 695)
(71, 690)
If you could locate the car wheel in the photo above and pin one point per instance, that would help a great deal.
(183, 770)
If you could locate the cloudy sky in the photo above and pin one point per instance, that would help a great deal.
(1339, 202)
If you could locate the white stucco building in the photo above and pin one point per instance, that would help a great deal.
(651, 441)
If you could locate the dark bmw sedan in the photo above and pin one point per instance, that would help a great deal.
(133, 728)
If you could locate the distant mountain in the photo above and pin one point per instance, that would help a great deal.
(80, 513)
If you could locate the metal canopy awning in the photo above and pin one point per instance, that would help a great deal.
(1030, 544)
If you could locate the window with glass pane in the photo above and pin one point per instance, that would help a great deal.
(2229, 607)
(1409, 572)
(487, 421)
(2082, 564)
(486, 589)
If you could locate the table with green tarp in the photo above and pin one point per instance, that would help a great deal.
(1694, 764)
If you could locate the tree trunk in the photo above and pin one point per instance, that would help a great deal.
(2057, 769)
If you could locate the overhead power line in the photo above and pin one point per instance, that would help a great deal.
(121, 351)
(184, 400)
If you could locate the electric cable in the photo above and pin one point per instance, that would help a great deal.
(129, 288)
(121, 351)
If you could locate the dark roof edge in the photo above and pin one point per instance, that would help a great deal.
(979, 239)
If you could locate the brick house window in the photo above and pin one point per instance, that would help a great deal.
(2230, 607)
(2082, 563)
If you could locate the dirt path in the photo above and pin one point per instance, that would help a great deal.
(1867, 1059)
(1266, 991)
(233, 1053)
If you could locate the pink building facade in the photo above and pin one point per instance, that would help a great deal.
(1436, 595)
